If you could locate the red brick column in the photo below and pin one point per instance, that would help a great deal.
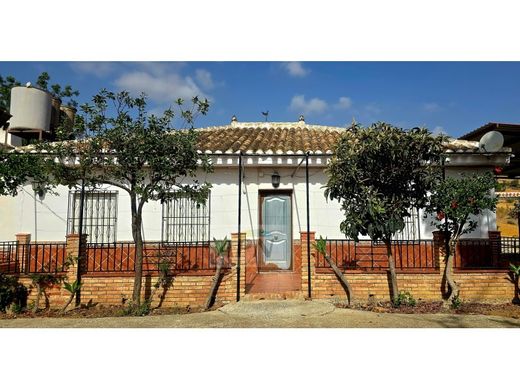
(72, 249)
(304, 238)
(234, 260)
(22, 251)
(439, 249)
(496, 247)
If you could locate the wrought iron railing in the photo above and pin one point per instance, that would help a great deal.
(510, 249)
(181, 256)
(17, 258)
(419, 255)
(367, 255)
(8, 263)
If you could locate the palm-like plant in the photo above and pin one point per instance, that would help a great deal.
(321, 247)
(221, 247)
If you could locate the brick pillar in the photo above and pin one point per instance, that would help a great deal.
(439, 249)
(234, 260)
(496, 247)
(304, 238)
(22, 251)
(72, 249)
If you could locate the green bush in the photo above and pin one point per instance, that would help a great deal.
(12, 293)
(140, 310)
(456, 302)
(404, 299)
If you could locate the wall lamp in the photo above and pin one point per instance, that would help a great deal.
(275, 179)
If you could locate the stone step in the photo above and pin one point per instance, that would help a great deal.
(274, 296)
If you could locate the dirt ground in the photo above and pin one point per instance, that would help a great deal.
(278, 314)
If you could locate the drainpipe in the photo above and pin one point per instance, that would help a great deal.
(308, 225)
(239, 222)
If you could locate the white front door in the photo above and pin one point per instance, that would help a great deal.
(275, 231)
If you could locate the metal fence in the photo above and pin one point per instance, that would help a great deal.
(419, 255)
(8, 263)
(367, 255)
(181, 256)
(510, 249)
(48, 257)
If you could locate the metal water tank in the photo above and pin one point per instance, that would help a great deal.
(30, 108)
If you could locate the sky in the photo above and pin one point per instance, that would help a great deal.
(449, 97)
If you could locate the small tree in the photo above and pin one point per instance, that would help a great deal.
(221, 247)
(41, 282)
(378, 174)
(321, 248)
(142, 154)
(454, 203)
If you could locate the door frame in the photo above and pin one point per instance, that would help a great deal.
(261, 195)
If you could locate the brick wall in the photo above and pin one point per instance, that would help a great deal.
(474, 286)
(115, 290)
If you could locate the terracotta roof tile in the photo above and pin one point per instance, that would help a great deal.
(276, 137)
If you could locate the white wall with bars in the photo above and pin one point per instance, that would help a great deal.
(48, 217)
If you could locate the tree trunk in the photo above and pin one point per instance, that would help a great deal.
(453, 289)
(340, 276)
(215, 283)
(38, 295)
(68, 302)
(516, 299)
(394, 290)
(138, 240)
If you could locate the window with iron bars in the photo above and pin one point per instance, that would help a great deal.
(412, 227)
(99, 215)
(184, 220)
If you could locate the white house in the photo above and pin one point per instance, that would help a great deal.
(275, 172)
(269, 152)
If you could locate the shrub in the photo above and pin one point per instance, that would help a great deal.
(12, 293)
(456, 302)
(138, 310)
(404, 298)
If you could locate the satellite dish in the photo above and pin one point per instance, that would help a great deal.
(491, 142)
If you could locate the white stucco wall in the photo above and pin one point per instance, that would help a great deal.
(18, 214)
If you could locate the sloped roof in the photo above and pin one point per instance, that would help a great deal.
(268, 138)
(289, 138)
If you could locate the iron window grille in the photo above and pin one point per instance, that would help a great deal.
(412, 227)
(99, 215)
(185, 220)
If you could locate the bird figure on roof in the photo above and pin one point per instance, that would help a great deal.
(266, 114)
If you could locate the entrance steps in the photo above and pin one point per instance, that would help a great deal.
(298, 295)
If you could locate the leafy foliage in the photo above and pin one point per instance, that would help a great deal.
(12, 293)
(57, 90)
(456, 302)
(321, 246)
(514, 212)
(455, 199)
(5, 91)
(378, 174)
(66, 92)
(73, 287)
(404, 298)
(17, 168)
(142, 154)
(221, 246)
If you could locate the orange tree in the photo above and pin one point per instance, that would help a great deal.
(124, 146)
(378, 174)
(455, 202)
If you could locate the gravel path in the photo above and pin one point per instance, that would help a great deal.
(274, 314)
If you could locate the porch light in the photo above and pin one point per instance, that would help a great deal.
(38, 188)
(275, 179)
